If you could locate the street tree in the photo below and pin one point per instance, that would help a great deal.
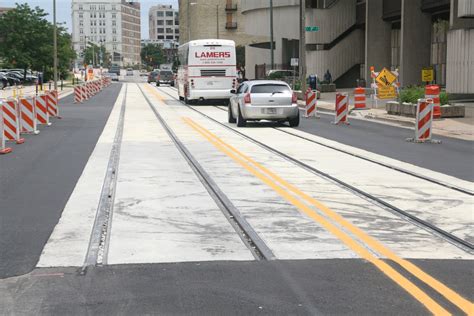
(27, 41)
(152, 55)
(93, 54)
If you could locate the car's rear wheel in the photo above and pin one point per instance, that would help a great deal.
(241, 122)
(230, 116)
(294, 121)
(157, 84)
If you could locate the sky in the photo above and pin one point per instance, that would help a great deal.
(63, 10)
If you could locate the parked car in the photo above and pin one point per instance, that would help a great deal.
(263, 100)
(3, 80)
(165, 77)
(129, 72)
(152, 76)
(143, 73)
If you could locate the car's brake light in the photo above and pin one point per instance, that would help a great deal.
(294, 98)
(247, 99)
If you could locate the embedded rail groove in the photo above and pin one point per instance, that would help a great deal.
(247, 234)
(433, 229)
(100, 236)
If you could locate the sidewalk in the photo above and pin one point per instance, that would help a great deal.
(31, 90)
(461, 128)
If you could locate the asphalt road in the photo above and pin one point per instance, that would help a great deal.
(452, 156)
(38, 177)
(302, 287)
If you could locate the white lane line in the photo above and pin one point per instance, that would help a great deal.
(162, 212)
(67, 245)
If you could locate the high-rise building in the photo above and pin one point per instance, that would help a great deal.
(163, 23)
(114, 24)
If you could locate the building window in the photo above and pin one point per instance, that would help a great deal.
(169, 30)
(80, 7)
(160, 37)
(114, 23)
(176, 31)
(81, 16)
(169, 22)
(160, 30)
(176, 22)
(114, 15)
(160, 22)
(169, 37)
(114, 39)
(113, 7)
(169, 13)
(159, 13)
(81, 31)
(81, 23)
(114, 31)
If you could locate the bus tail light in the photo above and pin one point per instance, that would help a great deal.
(192, 83)
(247, 99)
(294, 98)
(233, 83)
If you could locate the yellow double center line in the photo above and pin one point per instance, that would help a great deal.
(283, 188)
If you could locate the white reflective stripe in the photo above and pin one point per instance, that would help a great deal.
(426, 110)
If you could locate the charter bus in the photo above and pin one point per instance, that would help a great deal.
(207, 70)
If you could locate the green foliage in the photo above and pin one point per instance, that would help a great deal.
(413, 93)
(152, 55)
(92, 55)
(26, 41)
(275, 76)
(240, 55)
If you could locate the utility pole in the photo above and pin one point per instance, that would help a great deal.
(217, 21)
(302, 60)
(188, 19)
(55, 48)
(272, 55)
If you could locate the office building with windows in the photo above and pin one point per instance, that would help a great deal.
(114, 24)
(163, 23)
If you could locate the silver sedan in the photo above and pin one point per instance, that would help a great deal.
(263, 100)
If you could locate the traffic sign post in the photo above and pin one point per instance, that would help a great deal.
(294, 63)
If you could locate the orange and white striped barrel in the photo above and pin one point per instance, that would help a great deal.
(342, 108)
(432, 92)
(424, 119)
(41, 106)
(310, 108)
(28, 116)
(11, 121)
(359, 98)
(3, 147)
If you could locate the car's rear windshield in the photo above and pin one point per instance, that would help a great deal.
(269, 88)
(165, 72)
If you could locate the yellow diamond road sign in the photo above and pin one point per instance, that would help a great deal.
(386, 77)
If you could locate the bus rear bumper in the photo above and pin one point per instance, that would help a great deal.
(209, 94)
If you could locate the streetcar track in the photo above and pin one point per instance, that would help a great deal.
(432, 229)
(247, 234)
(98, 243)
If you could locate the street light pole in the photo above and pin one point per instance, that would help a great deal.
(302, 60)
(55, 48)
(272, 56)
(217, 20)
(188, 19)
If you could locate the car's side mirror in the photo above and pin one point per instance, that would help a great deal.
(233, 91)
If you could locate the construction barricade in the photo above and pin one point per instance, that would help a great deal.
(311, 104)
(77, 94)
(52, 103)
(432, 92)
(28, 116)
(342, 109)
(424, 122)
(41, 107)
(359, 98)
(3, 147)
(11, 121)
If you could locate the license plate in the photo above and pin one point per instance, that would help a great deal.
(271, 111)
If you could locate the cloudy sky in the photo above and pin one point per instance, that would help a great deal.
(63, 8)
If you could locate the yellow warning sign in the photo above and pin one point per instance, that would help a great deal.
(386, 92)
(427, 74)
(385, 77)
